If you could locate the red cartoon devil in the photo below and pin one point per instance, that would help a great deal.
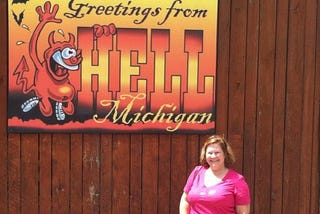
(51, 82)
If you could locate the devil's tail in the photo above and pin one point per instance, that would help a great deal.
(21, 68)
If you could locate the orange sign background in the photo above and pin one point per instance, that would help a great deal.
(154, 72)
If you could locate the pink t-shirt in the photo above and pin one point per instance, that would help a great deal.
(220, 198)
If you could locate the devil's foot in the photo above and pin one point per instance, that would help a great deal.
(30, 104)
(60, 115)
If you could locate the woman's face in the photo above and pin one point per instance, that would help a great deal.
(215, 156)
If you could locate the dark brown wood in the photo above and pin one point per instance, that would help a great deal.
(265, 93)
(60, 184)
(91, 173)
(3, 111)
(308, 107)
(14, 174)
(106, 184)
(279, 107)
(294, 107)
(29, 173)
(76, 163)
(267, 106)
(193, 152)
(150, 173)
(223, 65)
(120, 173)
(178, 168)
(136, 164)
(315, 178)
(236, 83)
(45, 174)
(164, 183)
(251, 77)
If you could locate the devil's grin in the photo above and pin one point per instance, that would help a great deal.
(59, 67)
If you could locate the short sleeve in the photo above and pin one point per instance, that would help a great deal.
(242, 193)
(191, 178)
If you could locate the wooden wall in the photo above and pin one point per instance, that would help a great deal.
(267, 106)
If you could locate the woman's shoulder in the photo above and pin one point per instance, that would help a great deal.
(240, 185)
(199, 168)
(234, 175)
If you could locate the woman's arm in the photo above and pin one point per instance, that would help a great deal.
(184, 205)
(243, 209)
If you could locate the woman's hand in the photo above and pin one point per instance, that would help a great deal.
(243, 209)
(184, 205)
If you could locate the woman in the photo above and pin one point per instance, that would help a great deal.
(213, 187)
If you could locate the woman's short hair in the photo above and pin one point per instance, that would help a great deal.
(225, 146)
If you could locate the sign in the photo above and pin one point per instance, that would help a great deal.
(133, 66)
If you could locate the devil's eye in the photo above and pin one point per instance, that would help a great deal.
(68, 53)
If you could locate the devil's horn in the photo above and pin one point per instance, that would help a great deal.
(51, 39)
(71, 38)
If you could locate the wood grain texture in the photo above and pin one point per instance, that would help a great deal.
(3, 111)
(279, 106)
(265, 93)
(60, 184)
(294, 106)
(45, 173)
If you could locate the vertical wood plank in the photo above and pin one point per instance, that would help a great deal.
(136, 151)
(178, 165)
(29, 173)
(14, 174)
(315, 182)
(251, 76)
(164, 183)
(315, 178)
(237, 79)
(121, 178)
(294, 94)
(223, 60)
(106, 192)
(308, 107)
(150, 173)
(76, 173)
(91, 173)
(60, 173)
(3, 110)
(279, 106)
(193, 152)
(262, 195)
(45, 149)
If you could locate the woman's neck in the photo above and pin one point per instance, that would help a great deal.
(213, 177)
(220, 173)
